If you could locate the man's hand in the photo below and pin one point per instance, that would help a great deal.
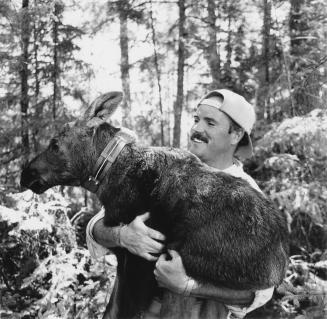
(171, 273)
(141, 240)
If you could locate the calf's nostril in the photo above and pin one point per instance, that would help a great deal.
(27, 176)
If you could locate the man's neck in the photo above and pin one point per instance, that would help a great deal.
(222, 162)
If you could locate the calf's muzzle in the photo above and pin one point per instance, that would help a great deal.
(30, 178)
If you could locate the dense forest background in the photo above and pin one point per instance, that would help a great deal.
(57, 56)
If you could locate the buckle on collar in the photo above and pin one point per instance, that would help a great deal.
(91, 184)
(103, 164)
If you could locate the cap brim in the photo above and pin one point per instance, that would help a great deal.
(245, 151)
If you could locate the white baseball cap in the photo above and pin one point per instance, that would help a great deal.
(238, 109)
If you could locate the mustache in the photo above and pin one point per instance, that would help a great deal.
(199, 136)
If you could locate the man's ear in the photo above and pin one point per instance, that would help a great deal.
(236, 136)
(102, 108)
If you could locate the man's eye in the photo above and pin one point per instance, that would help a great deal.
(196, 120)
(211, 123)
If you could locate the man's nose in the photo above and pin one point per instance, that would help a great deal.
(198, 127)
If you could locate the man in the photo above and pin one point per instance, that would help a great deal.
(221, 130)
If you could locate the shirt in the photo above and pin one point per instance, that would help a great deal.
(211, 306)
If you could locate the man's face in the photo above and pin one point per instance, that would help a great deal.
(210, 135)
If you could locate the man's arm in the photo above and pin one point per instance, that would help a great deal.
(225, 295)
(171, 274)
(135, 237)
(138, 239)
(95, 249)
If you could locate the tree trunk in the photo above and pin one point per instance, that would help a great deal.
(229, 50)
(213, 56)
(156, 65)
(264, 89)
(178, 106)
(36, 57)
(124, 65)
(305, 86)
(38, 107)
(295, 31)
(24, 101)
(296, 25)
(56, 68)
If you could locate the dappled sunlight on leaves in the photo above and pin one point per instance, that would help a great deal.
(290, 164)
(44, 273)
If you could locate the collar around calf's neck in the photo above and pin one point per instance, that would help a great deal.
(103, 164)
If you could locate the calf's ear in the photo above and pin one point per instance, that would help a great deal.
(102, 107)
(128, 135)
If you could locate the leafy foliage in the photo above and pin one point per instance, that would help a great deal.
(294, 155)
(44, 273)
(290, 164)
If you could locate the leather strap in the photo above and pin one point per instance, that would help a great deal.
(104, 162)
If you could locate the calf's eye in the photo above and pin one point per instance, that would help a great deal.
(54, 145)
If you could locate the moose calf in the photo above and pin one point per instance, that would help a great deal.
(227, 233)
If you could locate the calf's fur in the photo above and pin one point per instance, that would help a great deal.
(227, 233)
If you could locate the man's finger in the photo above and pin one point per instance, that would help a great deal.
(149, 257)
(173, 253)
(161, 258)
(156, 234)
(156, 247)
(144, 217)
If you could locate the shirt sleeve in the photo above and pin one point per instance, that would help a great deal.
(95, 249)
(261, 297)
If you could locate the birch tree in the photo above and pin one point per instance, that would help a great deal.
(213, 55)
(123, 10)
(178, 106)
(264, 72)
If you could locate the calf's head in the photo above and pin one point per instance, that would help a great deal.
(72, 152)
